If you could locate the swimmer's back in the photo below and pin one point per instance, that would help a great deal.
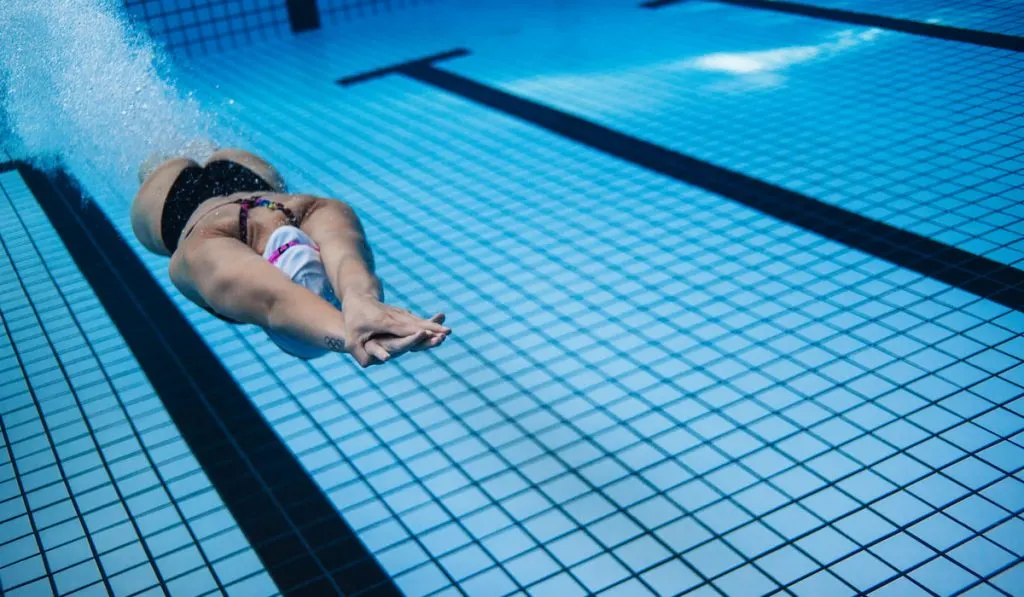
(218, 217)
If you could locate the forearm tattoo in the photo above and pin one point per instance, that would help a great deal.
(335, 344)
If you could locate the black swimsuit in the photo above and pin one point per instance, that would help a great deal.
(196, 184)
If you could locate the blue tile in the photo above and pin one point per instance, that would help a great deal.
(642, 369)
(942, 574)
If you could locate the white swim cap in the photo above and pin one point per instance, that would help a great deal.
(293, 252)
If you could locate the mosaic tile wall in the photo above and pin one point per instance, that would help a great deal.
(197, 27)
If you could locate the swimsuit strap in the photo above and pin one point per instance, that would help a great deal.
(280, 250)
(251, 202)
(243, 219)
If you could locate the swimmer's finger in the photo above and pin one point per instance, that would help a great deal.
(407, 325)
(361, 357)
(397, 346)
(374, 349)
(431, 341)
(434, 324)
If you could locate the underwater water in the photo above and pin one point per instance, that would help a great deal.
(664, 378)
(82, 84)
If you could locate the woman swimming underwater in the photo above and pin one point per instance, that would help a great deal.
(245, 250)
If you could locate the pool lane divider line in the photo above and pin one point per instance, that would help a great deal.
(298, 534)
(303, 15)
(402, 67)
(989, 39)
(976, 274)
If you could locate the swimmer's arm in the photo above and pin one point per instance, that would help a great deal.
(237, 283)
(346, 254)
(234, 281)
(348, 260)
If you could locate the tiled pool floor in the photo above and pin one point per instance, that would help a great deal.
(651, 389)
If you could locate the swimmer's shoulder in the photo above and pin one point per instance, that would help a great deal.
(298, 203)
(180, 273)
(194, 251)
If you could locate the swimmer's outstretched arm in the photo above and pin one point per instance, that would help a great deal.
(348, 260)
(228, 276)
(346, 254)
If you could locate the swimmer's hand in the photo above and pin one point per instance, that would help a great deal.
(395, 346)
(375, 332)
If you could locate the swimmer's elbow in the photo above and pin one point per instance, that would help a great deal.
(236, 296)
(323, 208)
(232, 279)
(275, 315)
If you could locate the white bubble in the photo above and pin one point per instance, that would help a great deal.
(79, 83)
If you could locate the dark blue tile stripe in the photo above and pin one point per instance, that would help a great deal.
(300, 537)
(303, 15)
(399, 68)
(983, 277)
(946, 32)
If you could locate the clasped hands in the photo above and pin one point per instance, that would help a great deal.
(376, 333)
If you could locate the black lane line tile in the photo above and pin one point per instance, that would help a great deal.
(984, 277)
(281, 511)
(397, 68)
(303, 15)
(946, 32)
